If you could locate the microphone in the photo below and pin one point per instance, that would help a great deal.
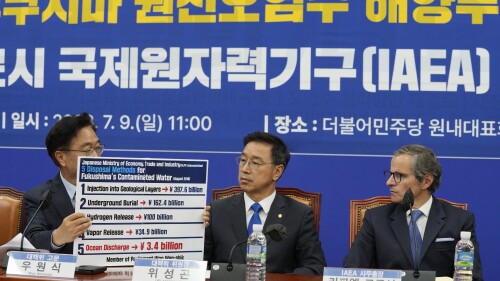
(236, 272)
(45, 201)
(276, 232)
(408, 201)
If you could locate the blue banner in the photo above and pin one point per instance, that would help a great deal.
(336, 77)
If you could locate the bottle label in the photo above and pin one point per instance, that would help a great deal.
(465, 261)
(257, 252)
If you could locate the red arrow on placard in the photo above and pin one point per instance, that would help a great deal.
(129, 232)
(139, 217)
(165, 188)
(134, 247)
(143, 202)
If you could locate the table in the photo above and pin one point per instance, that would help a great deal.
(125, 273)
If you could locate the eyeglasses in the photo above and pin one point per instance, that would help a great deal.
(396, 175)
(88, 152)
(253, 164)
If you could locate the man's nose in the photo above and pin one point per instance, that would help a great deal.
(390, 181)
(246, 167)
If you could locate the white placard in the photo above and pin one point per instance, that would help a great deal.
(141, 208)
(41, 264)
(360, 274)
(163, 270)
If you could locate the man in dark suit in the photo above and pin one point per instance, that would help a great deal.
(261, 164)
(57, 226)
(384, 239)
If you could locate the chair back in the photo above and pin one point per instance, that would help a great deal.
(359, 207)
(311, 199)
(11, 209)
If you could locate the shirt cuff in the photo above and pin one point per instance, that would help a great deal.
(54, 248)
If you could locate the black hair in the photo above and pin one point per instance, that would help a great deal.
(64, 130)
(279, 151)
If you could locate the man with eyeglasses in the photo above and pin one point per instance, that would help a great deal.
(261, 164)
(57, 226)
(384, 241)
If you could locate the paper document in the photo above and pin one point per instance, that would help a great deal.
(14, 245)
(16, 242)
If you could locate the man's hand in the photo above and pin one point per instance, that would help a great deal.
(72, 227)
(206, 216)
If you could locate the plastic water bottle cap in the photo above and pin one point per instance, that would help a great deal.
(465, 235)
(257, 228)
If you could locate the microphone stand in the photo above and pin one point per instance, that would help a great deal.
(229, 266)
(416, 272)
(44, 202)
(21, 248)
(236, 272)
(276, 232)
(408, 201)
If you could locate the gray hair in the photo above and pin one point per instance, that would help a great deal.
(424, 162)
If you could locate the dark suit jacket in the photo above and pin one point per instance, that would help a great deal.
(384, 240)
(299, 253)
(50, 218)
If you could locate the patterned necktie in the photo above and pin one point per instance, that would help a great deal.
(73, 199)
(255, 219)
(415, 215)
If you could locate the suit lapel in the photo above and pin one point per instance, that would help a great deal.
(436, 221)
(60, 198)
(238, 220)
(399, 226)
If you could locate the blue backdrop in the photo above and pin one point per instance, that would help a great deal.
(343, 82)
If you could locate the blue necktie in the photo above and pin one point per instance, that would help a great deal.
(73, 199)
(255, 219)
(415, 215)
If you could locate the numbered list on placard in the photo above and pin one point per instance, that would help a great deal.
(141, 208)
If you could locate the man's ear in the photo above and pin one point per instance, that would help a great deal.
(427, 181)
(278, 171)
(60, 156)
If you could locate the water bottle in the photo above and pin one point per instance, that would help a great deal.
(256, 255)
(464, 258)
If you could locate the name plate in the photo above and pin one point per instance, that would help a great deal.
(360, 274)
(160, 270)
(41, 264)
